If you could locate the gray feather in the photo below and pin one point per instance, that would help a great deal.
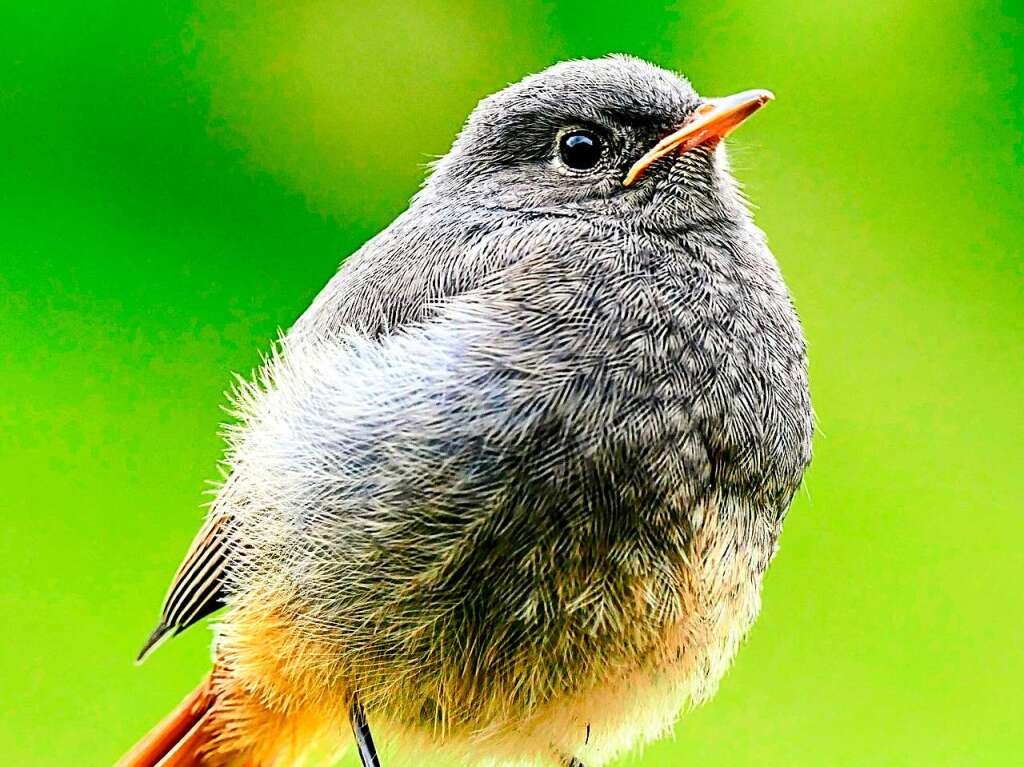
(479, 468)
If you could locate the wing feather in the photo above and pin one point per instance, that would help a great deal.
(197, 588)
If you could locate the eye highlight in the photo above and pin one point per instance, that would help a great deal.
(580, 149)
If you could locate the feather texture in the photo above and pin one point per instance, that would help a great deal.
(514, 479)
(197, 588)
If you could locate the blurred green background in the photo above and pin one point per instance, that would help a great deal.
(178, 180)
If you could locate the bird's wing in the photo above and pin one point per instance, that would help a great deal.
(197, 588)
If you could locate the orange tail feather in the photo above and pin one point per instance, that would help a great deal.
(177, 740)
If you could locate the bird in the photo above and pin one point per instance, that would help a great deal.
(506, 492)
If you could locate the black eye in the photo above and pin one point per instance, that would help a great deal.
(580, 149)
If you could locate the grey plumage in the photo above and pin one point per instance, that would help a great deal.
(515, 476)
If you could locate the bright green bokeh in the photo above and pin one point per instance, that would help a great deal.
(177, 181)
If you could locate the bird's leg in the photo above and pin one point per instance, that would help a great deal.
(364, 740)
(568, 760)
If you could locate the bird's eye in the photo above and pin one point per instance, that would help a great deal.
(581, 149)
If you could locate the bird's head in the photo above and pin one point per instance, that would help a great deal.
(614, 135)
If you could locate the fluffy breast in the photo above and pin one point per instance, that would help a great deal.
(661, 657)
(542, 509)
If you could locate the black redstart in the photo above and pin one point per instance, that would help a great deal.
(509, 487)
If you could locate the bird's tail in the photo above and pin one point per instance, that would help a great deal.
(224, 723)
(178, 740)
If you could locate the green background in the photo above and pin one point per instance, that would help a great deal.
(177, 181)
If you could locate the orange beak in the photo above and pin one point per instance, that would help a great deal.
(711, 122)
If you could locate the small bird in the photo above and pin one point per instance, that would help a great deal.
(508, 489)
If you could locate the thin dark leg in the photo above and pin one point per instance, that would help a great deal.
(572, 761)
(364, 740)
